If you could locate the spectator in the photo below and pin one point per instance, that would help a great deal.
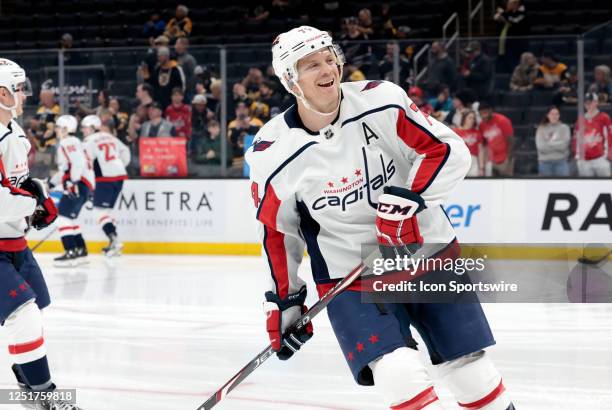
(513, 22)
(592, 147)
(239, 95)
(602, 86)
(103, 100)
(551, 73)
(139, 117)
(273, 79)
(441, 68)
(209, 150)
(463, 101)
(354, 49)
(568, 92)
(180, 25)
(385, 66)
(366, 25)
(442, 104)
(525, 73)
(240, 127)
(553, 144)
(418, 97)
(155, 27)
(203, 77)
(498, 135)
(167, 76)
(70, 57)
(200, 116)
(352, 73)
(188, 64)
(147, 65)
(156, 126)
(120, 119)
(179, 114)
(46, 114)
(144, 93)
(388, 29)
(472, 137)
(268, 96)
(214, 100)
(259, 111)
(477, 71)
(252, 81)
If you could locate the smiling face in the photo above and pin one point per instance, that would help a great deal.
(319, 79)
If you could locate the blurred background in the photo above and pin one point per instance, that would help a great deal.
(536, 71)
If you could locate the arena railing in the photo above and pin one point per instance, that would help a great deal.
(76, 77)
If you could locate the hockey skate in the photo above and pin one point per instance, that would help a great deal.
(81, 256)
(42, 404)
(47, 404)
(114, 248)
(67, 260)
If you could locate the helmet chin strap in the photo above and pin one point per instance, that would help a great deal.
(308, 106)
(12, 109)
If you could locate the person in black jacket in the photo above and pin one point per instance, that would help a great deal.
(477, 71)
(166, 76)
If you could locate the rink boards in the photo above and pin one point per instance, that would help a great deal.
(216, 216)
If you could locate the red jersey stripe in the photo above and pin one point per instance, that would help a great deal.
(13, 245)
(26, 347)
(424, 143)
(274, 242)
(421, 400)
(487, 399)
(112, 179)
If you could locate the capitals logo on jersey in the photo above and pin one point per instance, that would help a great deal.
(345, 191)
(260, 145)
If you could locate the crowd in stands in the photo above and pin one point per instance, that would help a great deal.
(176, 97)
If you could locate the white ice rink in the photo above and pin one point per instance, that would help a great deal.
(164, 332)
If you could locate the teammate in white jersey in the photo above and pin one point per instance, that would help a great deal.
(110, 157)
(75, 174)
(319, 172)
(24, 202)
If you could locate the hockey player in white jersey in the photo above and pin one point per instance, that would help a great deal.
(110, 157)
(318, 173)
(75, 175)
(24, 203)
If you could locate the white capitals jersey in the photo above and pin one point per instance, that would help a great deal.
(15, 203)
(320, 189)
(109, 155)
(73, 163)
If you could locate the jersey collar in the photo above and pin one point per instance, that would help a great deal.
(293, 120)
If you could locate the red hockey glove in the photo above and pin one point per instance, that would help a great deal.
(45, 212)
(397, 229)
(281, 313)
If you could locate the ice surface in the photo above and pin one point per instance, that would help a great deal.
(164, 332)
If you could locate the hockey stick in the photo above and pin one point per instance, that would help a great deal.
(47, 236)
(297, 325)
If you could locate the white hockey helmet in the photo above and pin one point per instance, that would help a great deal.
(68, 123)
(13, 78)
(288, 48)
(92, 121)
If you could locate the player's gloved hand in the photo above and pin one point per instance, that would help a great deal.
(45, 212)
(281, 313)
(71, 189)
(397, 229)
